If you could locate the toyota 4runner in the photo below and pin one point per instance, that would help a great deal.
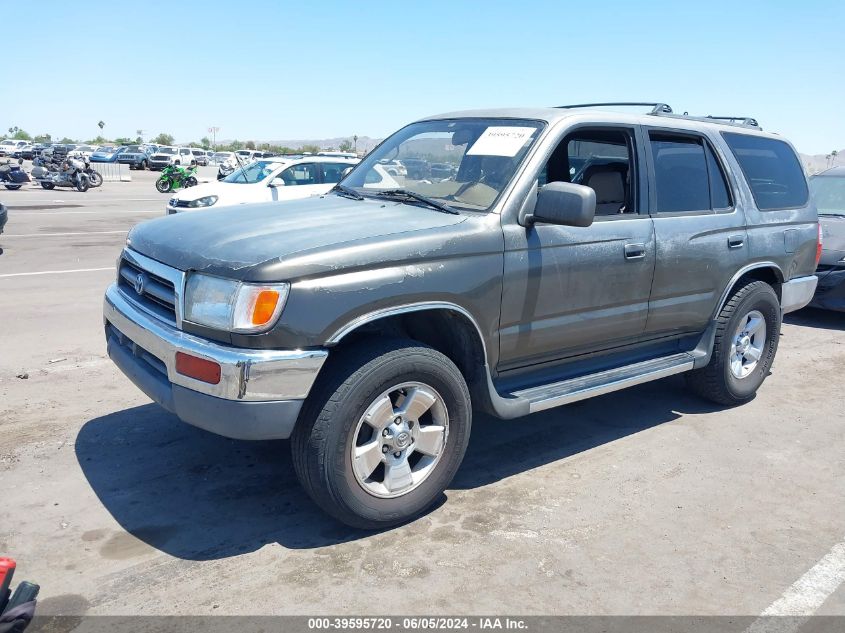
(573, 252)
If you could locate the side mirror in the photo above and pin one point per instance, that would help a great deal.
(563, 203)
(277, 182)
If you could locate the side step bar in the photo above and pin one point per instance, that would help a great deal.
(566, 391)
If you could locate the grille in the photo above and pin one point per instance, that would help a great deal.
(157, 296)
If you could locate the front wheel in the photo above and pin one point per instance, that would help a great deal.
(747, 333)
(383, 433)
(164, 185)
(143, 165)
(13, 187)
(96, 178)
(190, 181)
(82, 183)
(47, 185)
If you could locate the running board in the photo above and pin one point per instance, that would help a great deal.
(567, 391)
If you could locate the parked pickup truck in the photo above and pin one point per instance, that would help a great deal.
(574, 252)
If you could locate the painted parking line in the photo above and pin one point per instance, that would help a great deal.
(5, 235)
(57, 272)
(805, 596)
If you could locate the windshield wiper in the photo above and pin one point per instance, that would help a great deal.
(347, 192)
(404, 193)
(832, 215)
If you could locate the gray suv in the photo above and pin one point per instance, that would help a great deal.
(572, 252)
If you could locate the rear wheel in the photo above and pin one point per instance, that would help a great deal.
(191, 181)
(163, 185)
(747, 333)
(96, 178)
(82, 183)
(47, 185)
(383, 433)
(143, 165)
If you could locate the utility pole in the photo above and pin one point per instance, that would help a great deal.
(213, 131)
(355, 141)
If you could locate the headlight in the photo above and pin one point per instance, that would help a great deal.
(207, 201)
(233, 306)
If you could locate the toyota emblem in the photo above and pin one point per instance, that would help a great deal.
(140, 283)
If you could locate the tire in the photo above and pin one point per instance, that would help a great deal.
(96, 178)
(191, 182)
(178, 162)
(143, 165)
(733, 375)
(164, 185)
(47, 185)
(13, 187)
(332, 425)
(82, 184)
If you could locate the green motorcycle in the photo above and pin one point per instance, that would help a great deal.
(175, 177)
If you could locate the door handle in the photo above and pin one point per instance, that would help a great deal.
(736, 241)
(634, 251)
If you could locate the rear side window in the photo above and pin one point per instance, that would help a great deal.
(771, 169)
(332, 172)
(680, 173)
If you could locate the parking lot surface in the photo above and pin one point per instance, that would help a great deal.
(646, 501)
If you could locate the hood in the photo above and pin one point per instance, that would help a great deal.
(833, 233)
(204, 189)
(296, 239)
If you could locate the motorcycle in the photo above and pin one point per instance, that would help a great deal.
(12, 176)
(69, 173)
(224, 169)
(175, 177)
(94, 177)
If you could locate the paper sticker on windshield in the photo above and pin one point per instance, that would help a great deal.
(502, 140)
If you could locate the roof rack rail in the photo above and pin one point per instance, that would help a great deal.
(743, 120)
(656, 108)
(739, 121)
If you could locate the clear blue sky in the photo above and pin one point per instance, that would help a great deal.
(295, 70)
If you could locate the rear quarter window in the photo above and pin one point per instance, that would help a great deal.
(771, 169)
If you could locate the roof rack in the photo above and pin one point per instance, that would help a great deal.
(656, 108)
(662, 109)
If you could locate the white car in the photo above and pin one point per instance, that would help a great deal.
(171, 156)
(247, 155)
(265, 180)
(83, 150)
(10, 146)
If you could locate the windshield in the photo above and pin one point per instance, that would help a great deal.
(133, 148)
(829, 194)
(252, 173)
(166, 150)
(463, 163)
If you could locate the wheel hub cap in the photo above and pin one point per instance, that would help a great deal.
(748, 344)
(399, 440)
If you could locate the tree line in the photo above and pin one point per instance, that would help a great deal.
(167, 139)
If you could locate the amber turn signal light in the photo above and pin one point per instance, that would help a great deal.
(265, 307)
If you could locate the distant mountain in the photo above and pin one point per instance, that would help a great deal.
(815, 163)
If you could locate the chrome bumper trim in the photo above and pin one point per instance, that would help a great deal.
(798, 292)
(251, 375)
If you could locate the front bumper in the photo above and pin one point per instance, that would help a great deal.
(830, 294)
(259, 394)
